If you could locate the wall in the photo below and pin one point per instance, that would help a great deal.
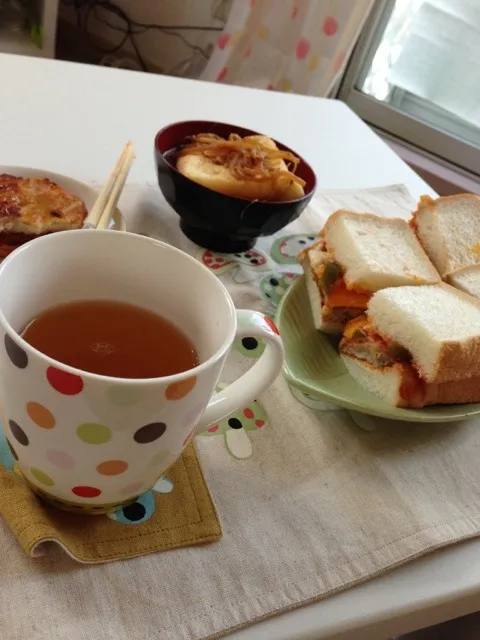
(161, 51)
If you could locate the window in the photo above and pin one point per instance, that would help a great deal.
(415, 74)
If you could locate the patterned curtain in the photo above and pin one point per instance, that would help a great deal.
(298, 46)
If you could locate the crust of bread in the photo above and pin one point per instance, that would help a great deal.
(427, 201)
(447, 252)
(461, 270)
(371, 379)
(466, 279)
(411, 278)
(389, 379)
(372, 216)
(460, 294)
(455, 360)
(320, 321)
(455, 392)
(453, 357)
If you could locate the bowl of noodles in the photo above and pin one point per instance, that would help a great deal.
(228, 184)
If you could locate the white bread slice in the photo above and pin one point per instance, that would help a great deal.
(439, 325)
(376, 252)
(219, 178)
(466, 279)
(449, 230)
(386, 383)
(381, 382)
(309, 260)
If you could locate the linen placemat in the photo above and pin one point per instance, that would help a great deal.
(310, 504)
(177, 512)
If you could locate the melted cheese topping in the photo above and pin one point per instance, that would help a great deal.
(362, 322)
(340, 296)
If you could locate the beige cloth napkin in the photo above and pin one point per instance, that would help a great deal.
(319, 505)
(176, 513)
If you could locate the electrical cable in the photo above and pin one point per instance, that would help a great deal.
(103, 10)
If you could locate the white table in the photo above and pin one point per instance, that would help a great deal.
(74, 119)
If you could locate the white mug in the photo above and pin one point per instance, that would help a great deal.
(88, 442)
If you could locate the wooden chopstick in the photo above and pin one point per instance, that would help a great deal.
(106, 202)
(95, 214)
(116, 191)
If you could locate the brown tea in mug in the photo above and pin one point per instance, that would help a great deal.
(112, 339)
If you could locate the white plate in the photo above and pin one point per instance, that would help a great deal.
(80, 189)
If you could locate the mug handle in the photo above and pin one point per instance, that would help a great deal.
(255, 380)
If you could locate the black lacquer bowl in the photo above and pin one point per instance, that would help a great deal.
(213, 220)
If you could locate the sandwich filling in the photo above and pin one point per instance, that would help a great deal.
(362, 342)
(339, 303)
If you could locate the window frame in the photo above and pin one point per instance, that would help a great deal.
(405, 124)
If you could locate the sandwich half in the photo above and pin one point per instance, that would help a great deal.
(357, 255)
(31, 207)
(466, 279)
(417, 346)
(449, 230)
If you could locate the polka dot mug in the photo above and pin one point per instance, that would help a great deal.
(88, 442)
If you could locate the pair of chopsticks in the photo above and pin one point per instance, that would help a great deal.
(106, 203)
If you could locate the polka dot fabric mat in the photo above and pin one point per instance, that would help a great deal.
(177, 512)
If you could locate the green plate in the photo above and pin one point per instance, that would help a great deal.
(312, 364)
